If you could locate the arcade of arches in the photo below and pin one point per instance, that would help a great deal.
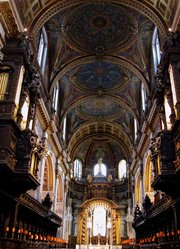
(89, 124)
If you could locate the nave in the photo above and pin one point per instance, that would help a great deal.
(89, 124)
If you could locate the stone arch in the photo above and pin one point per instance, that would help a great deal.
(116, 99)
(107, 58)
(148, 178)
(108, 129)
(85, 215)
(50, 10)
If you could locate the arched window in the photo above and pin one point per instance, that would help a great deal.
(122, 169)
(156, 49)
(64, 130)
(42, 49)
(143, 97)
(135, 129)
(149, 178)
(100, 169)
(77, 169)
(55, 97)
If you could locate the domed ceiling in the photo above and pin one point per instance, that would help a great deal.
(100, 54)
(98, 26)
(99, 75)
(98, 107)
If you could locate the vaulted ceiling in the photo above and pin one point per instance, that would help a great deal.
(99, 52)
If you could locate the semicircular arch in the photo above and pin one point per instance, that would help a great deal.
(107, 58)
(53, 8)
(118, 100)
(108, 130)
(108, 204)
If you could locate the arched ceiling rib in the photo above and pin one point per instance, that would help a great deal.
(99, 130)
(107, 58)
(118, 101)
(54, 7)
(100, 55)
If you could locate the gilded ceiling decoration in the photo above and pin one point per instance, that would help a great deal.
(99, 27)
(6, 16)
(99, 75)
(99, 107)
(99, 52)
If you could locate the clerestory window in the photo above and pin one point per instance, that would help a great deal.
(42, 50)
(77, 169)
(122, 168)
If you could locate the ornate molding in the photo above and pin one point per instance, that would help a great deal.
(88, 130)
(54, 7)
(116, 99)
(10, 22)
(107, 58)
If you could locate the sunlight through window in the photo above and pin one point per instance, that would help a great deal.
(99, 222)
(122, 169)
(100, 169)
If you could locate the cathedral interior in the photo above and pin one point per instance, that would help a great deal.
(89, 124)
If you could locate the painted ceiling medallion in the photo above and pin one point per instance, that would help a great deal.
(95, 26)
(98, 107)
(99, 75)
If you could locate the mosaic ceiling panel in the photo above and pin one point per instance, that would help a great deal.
(98, 90)
(99, 74)
(99, 27)
(99, 107)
